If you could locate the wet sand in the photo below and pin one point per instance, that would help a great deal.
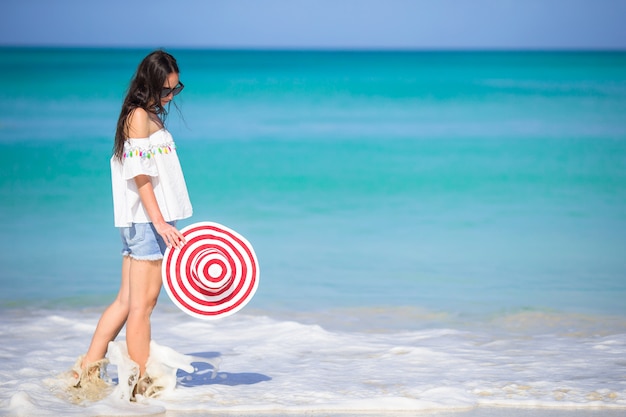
(474, 412)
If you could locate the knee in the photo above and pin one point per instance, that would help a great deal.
(122, 304)
(119, 306)
(142, 308)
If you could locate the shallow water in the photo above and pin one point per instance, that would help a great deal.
(278, 365)
(435, 231)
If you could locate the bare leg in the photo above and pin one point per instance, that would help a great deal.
(112, 319)
(144, 285)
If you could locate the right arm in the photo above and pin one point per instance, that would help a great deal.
(139, 127)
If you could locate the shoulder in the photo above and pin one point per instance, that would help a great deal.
(138, 123)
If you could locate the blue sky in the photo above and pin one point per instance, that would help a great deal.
(351, 24)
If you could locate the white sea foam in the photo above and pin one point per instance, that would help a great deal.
(276, 365)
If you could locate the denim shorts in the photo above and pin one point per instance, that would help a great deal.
(142, 242)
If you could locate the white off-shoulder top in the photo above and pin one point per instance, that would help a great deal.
(156, 157)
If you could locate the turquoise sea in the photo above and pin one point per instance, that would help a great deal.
(383, 192)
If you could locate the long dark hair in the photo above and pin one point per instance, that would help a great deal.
(145, 92)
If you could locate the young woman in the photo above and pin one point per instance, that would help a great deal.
(149, 196)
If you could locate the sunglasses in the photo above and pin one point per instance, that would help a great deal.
(173, 91)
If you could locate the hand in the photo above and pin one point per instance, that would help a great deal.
(171, 235)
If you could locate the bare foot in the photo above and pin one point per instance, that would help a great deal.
(84, 373)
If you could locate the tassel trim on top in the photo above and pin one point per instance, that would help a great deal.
(140, 152)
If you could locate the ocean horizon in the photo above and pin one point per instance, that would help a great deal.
(436, 230)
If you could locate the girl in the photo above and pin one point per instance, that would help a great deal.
(149, 195)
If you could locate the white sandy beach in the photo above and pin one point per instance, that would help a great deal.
(275, 367)
(475, 412)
